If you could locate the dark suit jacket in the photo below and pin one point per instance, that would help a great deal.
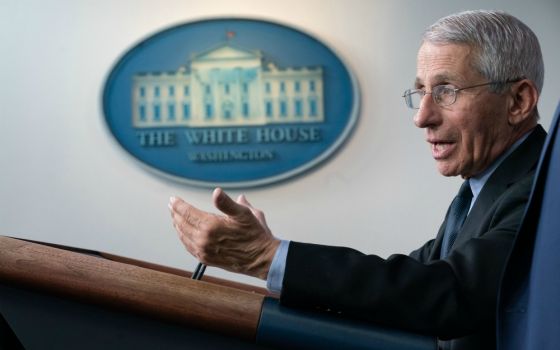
(529, 303)
(451, 298)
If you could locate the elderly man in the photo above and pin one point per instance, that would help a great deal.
(479, 75)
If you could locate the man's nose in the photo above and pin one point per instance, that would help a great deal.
(428, 115)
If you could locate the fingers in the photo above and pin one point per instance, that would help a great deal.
(187, 242)
(179, 206)
(188, 221)
(243, 200)
(227, 205)
(184, 214)
(258, 213)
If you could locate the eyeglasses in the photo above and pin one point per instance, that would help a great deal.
(443, 95)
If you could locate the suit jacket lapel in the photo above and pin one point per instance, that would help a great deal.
(515, 166)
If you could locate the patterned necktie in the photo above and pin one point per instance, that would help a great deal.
(457, 214)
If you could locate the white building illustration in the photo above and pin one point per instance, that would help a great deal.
(227, 86)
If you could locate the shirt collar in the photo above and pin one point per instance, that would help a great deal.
(478, 182)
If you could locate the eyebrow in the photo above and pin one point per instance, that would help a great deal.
(439, 78)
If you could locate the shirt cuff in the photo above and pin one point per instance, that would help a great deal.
(277, 268)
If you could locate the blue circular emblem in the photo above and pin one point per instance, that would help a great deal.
(230, 102)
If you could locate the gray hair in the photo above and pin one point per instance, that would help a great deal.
(505, 47)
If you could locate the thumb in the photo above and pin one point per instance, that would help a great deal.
(227, 205)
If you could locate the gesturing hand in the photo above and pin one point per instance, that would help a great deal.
(239, 241)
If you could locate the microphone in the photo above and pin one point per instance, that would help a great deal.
(199, 271)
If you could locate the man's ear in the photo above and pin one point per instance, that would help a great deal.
(523, 101)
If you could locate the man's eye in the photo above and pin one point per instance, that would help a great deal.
(444, 89)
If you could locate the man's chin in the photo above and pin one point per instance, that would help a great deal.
(447, 171)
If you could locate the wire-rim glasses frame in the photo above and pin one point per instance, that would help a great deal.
(443, 95)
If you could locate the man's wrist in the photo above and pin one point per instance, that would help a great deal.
(267, 258)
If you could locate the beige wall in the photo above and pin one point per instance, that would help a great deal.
(63, 178)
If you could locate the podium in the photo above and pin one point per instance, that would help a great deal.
(55, 297)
